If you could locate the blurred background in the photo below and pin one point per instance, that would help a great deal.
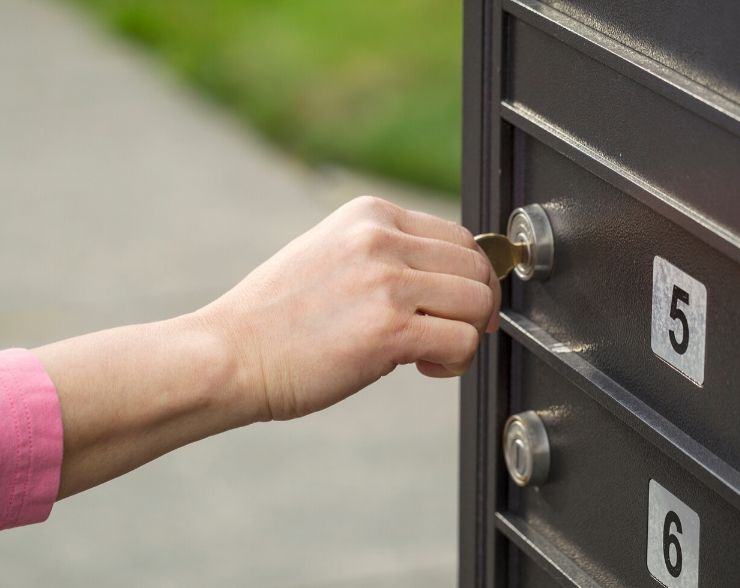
(373, 85)
(151, 154)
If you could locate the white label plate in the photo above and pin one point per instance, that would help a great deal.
(673, 540)
(679, 322)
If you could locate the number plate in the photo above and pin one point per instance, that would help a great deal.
(679, 319)
(673, 540)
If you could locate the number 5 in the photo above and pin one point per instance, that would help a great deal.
(677, 313)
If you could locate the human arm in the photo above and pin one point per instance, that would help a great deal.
(371, 287)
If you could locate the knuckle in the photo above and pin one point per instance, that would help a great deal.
(489, 301)
(483, 298)
(417, 246)
(482, 269)
(398, 331)
(469, 340)
(387, 282)
(467, 346)
(366, 200)
(406, 353)
(487, 310)
(405, 278)
(465, 237)
(391, 323)
(368, 239)
(371, 203)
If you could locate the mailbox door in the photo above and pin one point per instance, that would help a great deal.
(622, 120)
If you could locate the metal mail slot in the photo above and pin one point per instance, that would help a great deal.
(594, 507)
(663, 146)
(694, 39)
(598, 299)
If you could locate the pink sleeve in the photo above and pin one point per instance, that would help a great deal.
(31, 442)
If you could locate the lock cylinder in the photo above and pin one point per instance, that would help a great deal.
(526, 449)
(531, 226)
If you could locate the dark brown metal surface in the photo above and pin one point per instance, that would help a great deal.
(623, 121)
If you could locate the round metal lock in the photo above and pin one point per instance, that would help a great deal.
(529, 224)
(526, 449)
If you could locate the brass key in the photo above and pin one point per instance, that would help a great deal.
(503, 254)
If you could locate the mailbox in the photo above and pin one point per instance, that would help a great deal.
(600, 428)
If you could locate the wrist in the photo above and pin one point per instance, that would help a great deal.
(228, 365)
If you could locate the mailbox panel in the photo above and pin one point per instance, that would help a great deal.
(622, 120)
(666, 145)
(599, 297)
(594, 507)
(530, 575)
(695, 39)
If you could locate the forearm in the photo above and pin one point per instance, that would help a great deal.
(371, 287)
(131, 394)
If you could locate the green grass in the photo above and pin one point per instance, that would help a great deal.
(369, 84)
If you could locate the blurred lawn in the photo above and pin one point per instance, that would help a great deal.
(374, 85)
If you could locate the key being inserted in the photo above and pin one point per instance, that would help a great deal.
(527, 248)
(502, 253)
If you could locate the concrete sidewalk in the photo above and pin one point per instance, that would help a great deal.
(123, 198)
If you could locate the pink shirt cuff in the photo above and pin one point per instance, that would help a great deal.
(31, 440)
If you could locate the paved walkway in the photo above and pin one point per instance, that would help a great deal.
(124, 198)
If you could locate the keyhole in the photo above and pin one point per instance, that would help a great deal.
(520, 457)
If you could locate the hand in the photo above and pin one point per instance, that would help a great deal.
(371, 287)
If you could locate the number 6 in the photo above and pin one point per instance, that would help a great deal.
(670, 539)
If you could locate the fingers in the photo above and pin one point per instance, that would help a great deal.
(495, 286)
(456, 310)
(442, 246)
(412, 222)
(440, 347)
(421, 224)
(444, 257)
(433, 370)
(454, 298)
(446, 287)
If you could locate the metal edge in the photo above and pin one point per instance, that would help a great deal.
(681, 90)
(483, 551)
(696, 223)
(495, 390)
(539, 549)
(708, 468)
(476, 53)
